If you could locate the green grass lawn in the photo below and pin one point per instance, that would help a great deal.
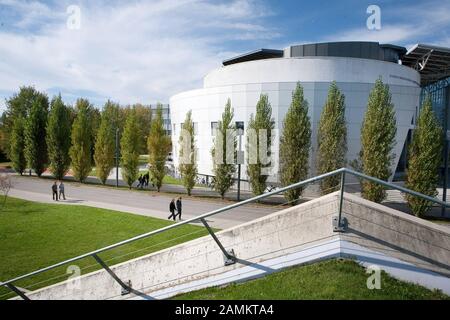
(143, 159)
(331, 279)
(172, 180)
(35, 235)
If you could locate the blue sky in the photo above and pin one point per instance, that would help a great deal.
(146, 51)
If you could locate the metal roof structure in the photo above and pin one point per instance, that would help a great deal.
(432, 62)
(255, 55)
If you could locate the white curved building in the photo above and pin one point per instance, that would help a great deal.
(355, 66)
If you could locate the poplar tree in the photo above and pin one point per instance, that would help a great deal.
(35, 135)
(224, 171)
(332, 139)
(104, 154)
(144, 120)
(256, 166)
(95, 120)
(188, 161)
(17, 146)
(159, 146)
(18, 106)
(80, 151)
(377, 141)
(424, 159)
(58, 138)
(295, 143)
(129, 144)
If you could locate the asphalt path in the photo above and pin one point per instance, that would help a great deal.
(143, 202)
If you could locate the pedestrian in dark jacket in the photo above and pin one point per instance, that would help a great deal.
(147, 178)
(179, 207)
(55, 191)
(61, 190)
(172, 209)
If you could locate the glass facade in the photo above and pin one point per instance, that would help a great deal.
(439, 93)
(440, 99)
(166, 116)
(214, 126)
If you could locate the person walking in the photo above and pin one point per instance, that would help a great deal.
(147, 178)
(55, 191)
(61, 190)
(140, 181)
(172, 210)
(179, 205)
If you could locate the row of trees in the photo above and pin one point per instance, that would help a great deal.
(378, 133)
(38, 135)
(378, 140)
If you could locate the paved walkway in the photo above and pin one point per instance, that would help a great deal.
(148, 203)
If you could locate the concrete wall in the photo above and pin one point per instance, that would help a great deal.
(274, 235)
(414, 247)
(394, 233)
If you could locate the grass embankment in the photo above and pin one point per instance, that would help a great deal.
(35, 235)
(332, 279)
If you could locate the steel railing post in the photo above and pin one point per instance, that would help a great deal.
(126, 288)
(339, 223)
(17, 291)
(341, 196)
(230, 257)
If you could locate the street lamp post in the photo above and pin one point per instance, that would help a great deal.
(444, 186)
(117, 157)
(240, 157)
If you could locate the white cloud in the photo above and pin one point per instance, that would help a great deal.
(388, 33)
(135, 51)
(417, 21)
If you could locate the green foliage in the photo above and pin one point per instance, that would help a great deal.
(80, 151)
(295, 143)
(159, 146)
(35, 135)
(188, 162)
(144, 119)
(18, 106)
(130, 149)
(95, 119)
(58, 138)
(424, 159)
(262, 120)
(17, 146)
(4, 143)
(223, 171)
(104, 154)
(115, 115)
(331, 138)
(377, 140)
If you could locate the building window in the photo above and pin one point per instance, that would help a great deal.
(214, 126)
(195, 128)
(240, 127)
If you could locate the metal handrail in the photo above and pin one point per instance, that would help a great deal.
(202, 217)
